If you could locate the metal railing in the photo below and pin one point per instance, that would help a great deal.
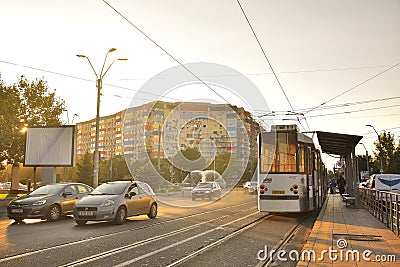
(384, 205)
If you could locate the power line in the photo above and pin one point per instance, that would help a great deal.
(283, 72)
(353, 111)
(353, 103)
(165, 51)
(354, 87)
(276, 112)
(82, 79)
(264, 53)
(266, 57)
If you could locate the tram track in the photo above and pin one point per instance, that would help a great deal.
(279, 246)
(87, 261)
(123, 232)
(218, 242)
(109, 253)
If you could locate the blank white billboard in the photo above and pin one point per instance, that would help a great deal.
(50, 146)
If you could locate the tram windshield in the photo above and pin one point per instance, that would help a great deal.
(278, 152)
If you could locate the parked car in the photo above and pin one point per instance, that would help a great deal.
(47, 202)
(206, 190)
(115, 201)
(385, 183)
(7, 186)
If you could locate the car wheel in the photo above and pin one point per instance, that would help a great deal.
(80, 222)
(153, 211)
(120, 217)
(54, 213)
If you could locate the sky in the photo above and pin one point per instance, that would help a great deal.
(324, 54)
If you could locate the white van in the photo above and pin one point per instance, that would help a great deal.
(385, 182)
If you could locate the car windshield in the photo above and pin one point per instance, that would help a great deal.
(110, 189)
(204, 185)
(51, 189)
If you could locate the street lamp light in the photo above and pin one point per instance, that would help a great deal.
(366, 155)
(380, 146)
(99, 81)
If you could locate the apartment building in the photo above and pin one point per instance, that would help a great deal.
(140, 131)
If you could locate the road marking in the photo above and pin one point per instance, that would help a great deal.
(147, 241)
(181, 242)
(226, 238)
(22, 255)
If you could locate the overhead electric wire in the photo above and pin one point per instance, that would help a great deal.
(165, 51)
(82, 79)
(269, 63)
(354, 87)
(353, 111)
(275, 112)
(282, 72)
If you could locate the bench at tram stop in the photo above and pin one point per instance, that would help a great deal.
(349, 200)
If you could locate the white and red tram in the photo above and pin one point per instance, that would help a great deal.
(291, 175)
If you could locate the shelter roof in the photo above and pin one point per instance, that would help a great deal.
(338, 144)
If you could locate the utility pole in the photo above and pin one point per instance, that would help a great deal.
(366, 155)
(99, 83)
(380, 147)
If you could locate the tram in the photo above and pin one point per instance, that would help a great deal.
(291, 175)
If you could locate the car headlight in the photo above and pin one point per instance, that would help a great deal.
(107, 203)
(39, 203)
(207, 192)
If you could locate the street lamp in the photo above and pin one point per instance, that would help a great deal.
(366, 155)
(99, 81)
(380, 146)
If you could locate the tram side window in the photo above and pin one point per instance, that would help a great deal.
(285, 153)
(301, 158)
(267, 151)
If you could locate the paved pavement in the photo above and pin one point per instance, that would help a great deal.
(342, 232)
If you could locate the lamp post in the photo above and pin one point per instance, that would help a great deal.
(380, 146)
(99, 82)
(366, 155)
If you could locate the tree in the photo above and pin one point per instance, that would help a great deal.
(25, 104)
(385, 147)
(84, 169)
(10, 139)
(119, 169)
(395, 161)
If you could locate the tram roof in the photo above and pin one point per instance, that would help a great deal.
(338, 144)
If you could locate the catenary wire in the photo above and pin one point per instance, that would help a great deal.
(269, 63)
(165, 51)
(354, 87)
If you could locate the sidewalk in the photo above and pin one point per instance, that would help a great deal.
(357, 231)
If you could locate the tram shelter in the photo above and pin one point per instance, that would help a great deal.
(344, 146)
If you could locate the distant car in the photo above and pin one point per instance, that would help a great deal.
(7, 186)
(206, 190)
(363, 184)
(115, 201)
(250, 186)
(48, 202)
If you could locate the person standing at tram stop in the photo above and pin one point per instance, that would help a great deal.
(332, 185)
(341, 184)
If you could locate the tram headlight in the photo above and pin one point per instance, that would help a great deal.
(296, 191)
(262, 186)
(262, 191)
(295, 186)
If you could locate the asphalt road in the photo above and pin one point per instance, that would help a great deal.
(228, 232)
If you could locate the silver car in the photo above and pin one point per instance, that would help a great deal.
(47, 202)
(115, 201)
